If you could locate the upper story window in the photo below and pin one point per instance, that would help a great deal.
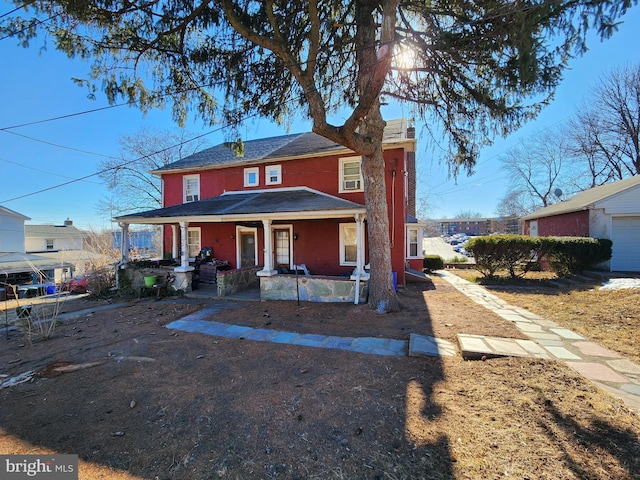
(251, 177)
(191, 188)
(49, 242)
(273, 174)
(350, 175)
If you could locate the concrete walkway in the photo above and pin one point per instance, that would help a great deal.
(200, 322)
(607, 369)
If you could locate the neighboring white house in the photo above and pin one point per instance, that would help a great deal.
(63, 244)
(12, 231)
(53, 238)
(16, 266)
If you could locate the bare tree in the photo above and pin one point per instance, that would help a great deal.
(468, 214)
(535, 172)
(514, 204)
(605, 136)
(132, 185)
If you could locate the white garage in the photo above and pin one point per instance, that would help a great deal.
(625, 234)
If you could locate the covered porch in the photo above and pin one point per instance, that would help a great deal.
(296, 243)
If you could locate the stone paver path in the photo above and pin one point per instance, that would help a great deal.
(603, 367)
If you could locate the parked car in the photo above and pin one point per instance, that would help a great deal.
(75, 285)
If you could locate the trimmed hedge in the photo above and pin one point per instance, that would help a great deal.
(514, 253)
(576, 254)
(432, 262)
(519, 254)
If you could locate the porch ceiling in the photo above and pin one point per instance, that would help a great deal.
(257, 205)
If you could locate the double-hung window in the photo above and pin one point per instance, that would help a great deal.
(350, 175)
(251, 178)
(413, 242)
(273, 174)
(348, 244)
(193, 241)
(191, 188)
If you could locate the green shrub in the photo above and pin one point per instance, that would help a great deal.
(515, 253)
(575, 254)
(458, 259)
(432, 262)
(518, 254)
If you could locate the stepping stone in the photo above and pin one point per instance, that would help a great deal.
(478, 347)
(426, 346)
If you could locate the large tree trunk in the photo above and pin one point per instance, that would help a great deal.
(382, 294)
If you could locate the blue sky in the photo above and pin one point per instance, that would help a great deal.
(38, 86)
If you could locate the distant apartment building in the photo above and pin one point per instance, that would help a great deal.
(477, 226)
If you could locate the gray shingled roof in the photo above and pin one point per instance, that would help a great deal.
(252, 203)
(52, 231)
(583, 199)
(274, 148)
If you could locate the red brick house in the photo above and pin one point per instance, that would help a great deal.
(287, 201)
(609, 211)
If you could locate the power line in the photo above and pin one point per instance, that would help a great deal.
(35, 169)
(61, 146)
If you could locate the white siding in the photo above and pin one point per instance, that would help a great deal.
(599, 224)
(35, 244)
(11, 233)
(627, 202)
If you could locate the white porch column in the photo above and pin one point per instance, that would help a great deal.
(184, 249)
(175, 247)
(124, 247)
(360, 272)
(183, 272)
(268, 269)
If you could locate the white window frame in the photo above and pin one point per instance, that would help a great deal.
(49, 244)
(290, 229)
(190, 195)
(240, 230)
(271, 171)
(248, 172)
(345, 182)
(417, 243)
(191, 246)
(343, 243)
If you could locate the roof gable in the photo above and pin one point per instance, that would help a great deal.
(583, 200)
(275, 149)
(12, 213)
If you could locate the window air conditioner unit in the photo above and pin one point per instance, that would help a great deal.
(192, 198)
(352, 184)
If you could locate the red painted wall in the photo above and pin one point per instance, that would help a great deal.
(318, 241)
(574, 224)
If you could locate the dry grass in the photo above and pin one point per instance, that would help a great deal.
(210, 407)
(608, 317)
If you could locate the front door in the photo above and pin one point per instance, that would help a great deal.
(247, 249)
(281, 248)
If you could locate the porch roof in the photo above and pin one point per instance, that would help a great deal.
(281, 203)
(16, 262)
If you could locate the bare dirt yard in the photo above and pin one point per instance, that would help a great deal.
(136, 400)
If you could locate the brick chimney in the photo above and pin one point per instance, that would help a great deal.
(411, 176)
(68, 223)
